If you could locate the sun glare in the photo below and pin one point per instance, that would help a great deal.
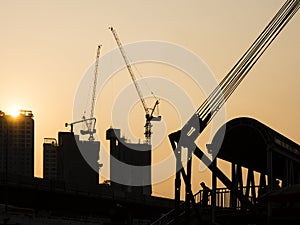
(14, 112)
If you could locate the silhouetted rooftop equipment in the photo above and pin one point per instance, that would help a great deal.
(51, 141)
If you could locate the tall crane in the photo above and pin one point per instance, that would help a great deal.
(186, 137)
(90, 123)
(149, 111)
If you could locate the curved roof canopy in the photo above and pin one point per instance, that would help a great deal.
(247, 141)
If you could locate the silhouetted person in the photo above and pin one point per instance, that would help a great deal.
(277, 184)
(206, 193)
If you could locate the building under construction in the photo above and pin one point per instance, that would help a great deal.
(139, 155)
(67, 160)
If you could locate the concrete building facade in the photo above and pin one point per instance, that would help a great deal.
(50, 147)
(135, 154)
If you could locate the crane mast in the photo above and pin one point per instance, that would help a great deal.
(149, 111)
(95, 82)
(91, 122)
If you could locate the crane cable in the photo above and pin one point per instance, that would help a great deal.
(235, 76)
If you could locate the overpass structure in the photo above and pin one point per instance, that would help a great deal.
(264, 182)
(263, 161)
(250, 144)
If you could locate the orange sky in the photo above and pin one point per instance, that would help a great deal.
(46, 47)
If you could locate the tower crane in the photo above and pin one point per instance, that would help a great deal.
(90, 122)
(186, 137)
(149, 111)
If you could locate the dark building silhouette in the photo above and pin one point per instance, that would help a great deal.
(129, 154)
(50, 158)
(17, 144)
(67, 160)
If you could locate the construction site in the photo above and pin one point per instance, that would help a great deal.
(262, 187)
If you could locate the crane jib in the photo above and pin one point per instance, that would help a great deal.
(231, 81)
(149, 111)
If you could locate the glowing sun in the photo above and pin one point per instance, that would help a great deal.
(14, 111)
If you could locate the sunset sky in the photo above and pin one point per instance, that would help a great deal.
(47, 47)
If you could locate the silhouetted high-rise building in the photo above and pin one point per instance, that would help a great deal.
(72, 160)
(17, 144)
(138, 158)
(50, 158)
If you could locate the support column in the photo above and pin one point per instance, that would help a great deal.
(189, 174)
(291, 174)
(270, 180)
(233, 197)
(213, 192)
(174, 139)
(262, 184)
(270, 169)
(239, 176)
(285, 181)
(250, 187)
(177, 180)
